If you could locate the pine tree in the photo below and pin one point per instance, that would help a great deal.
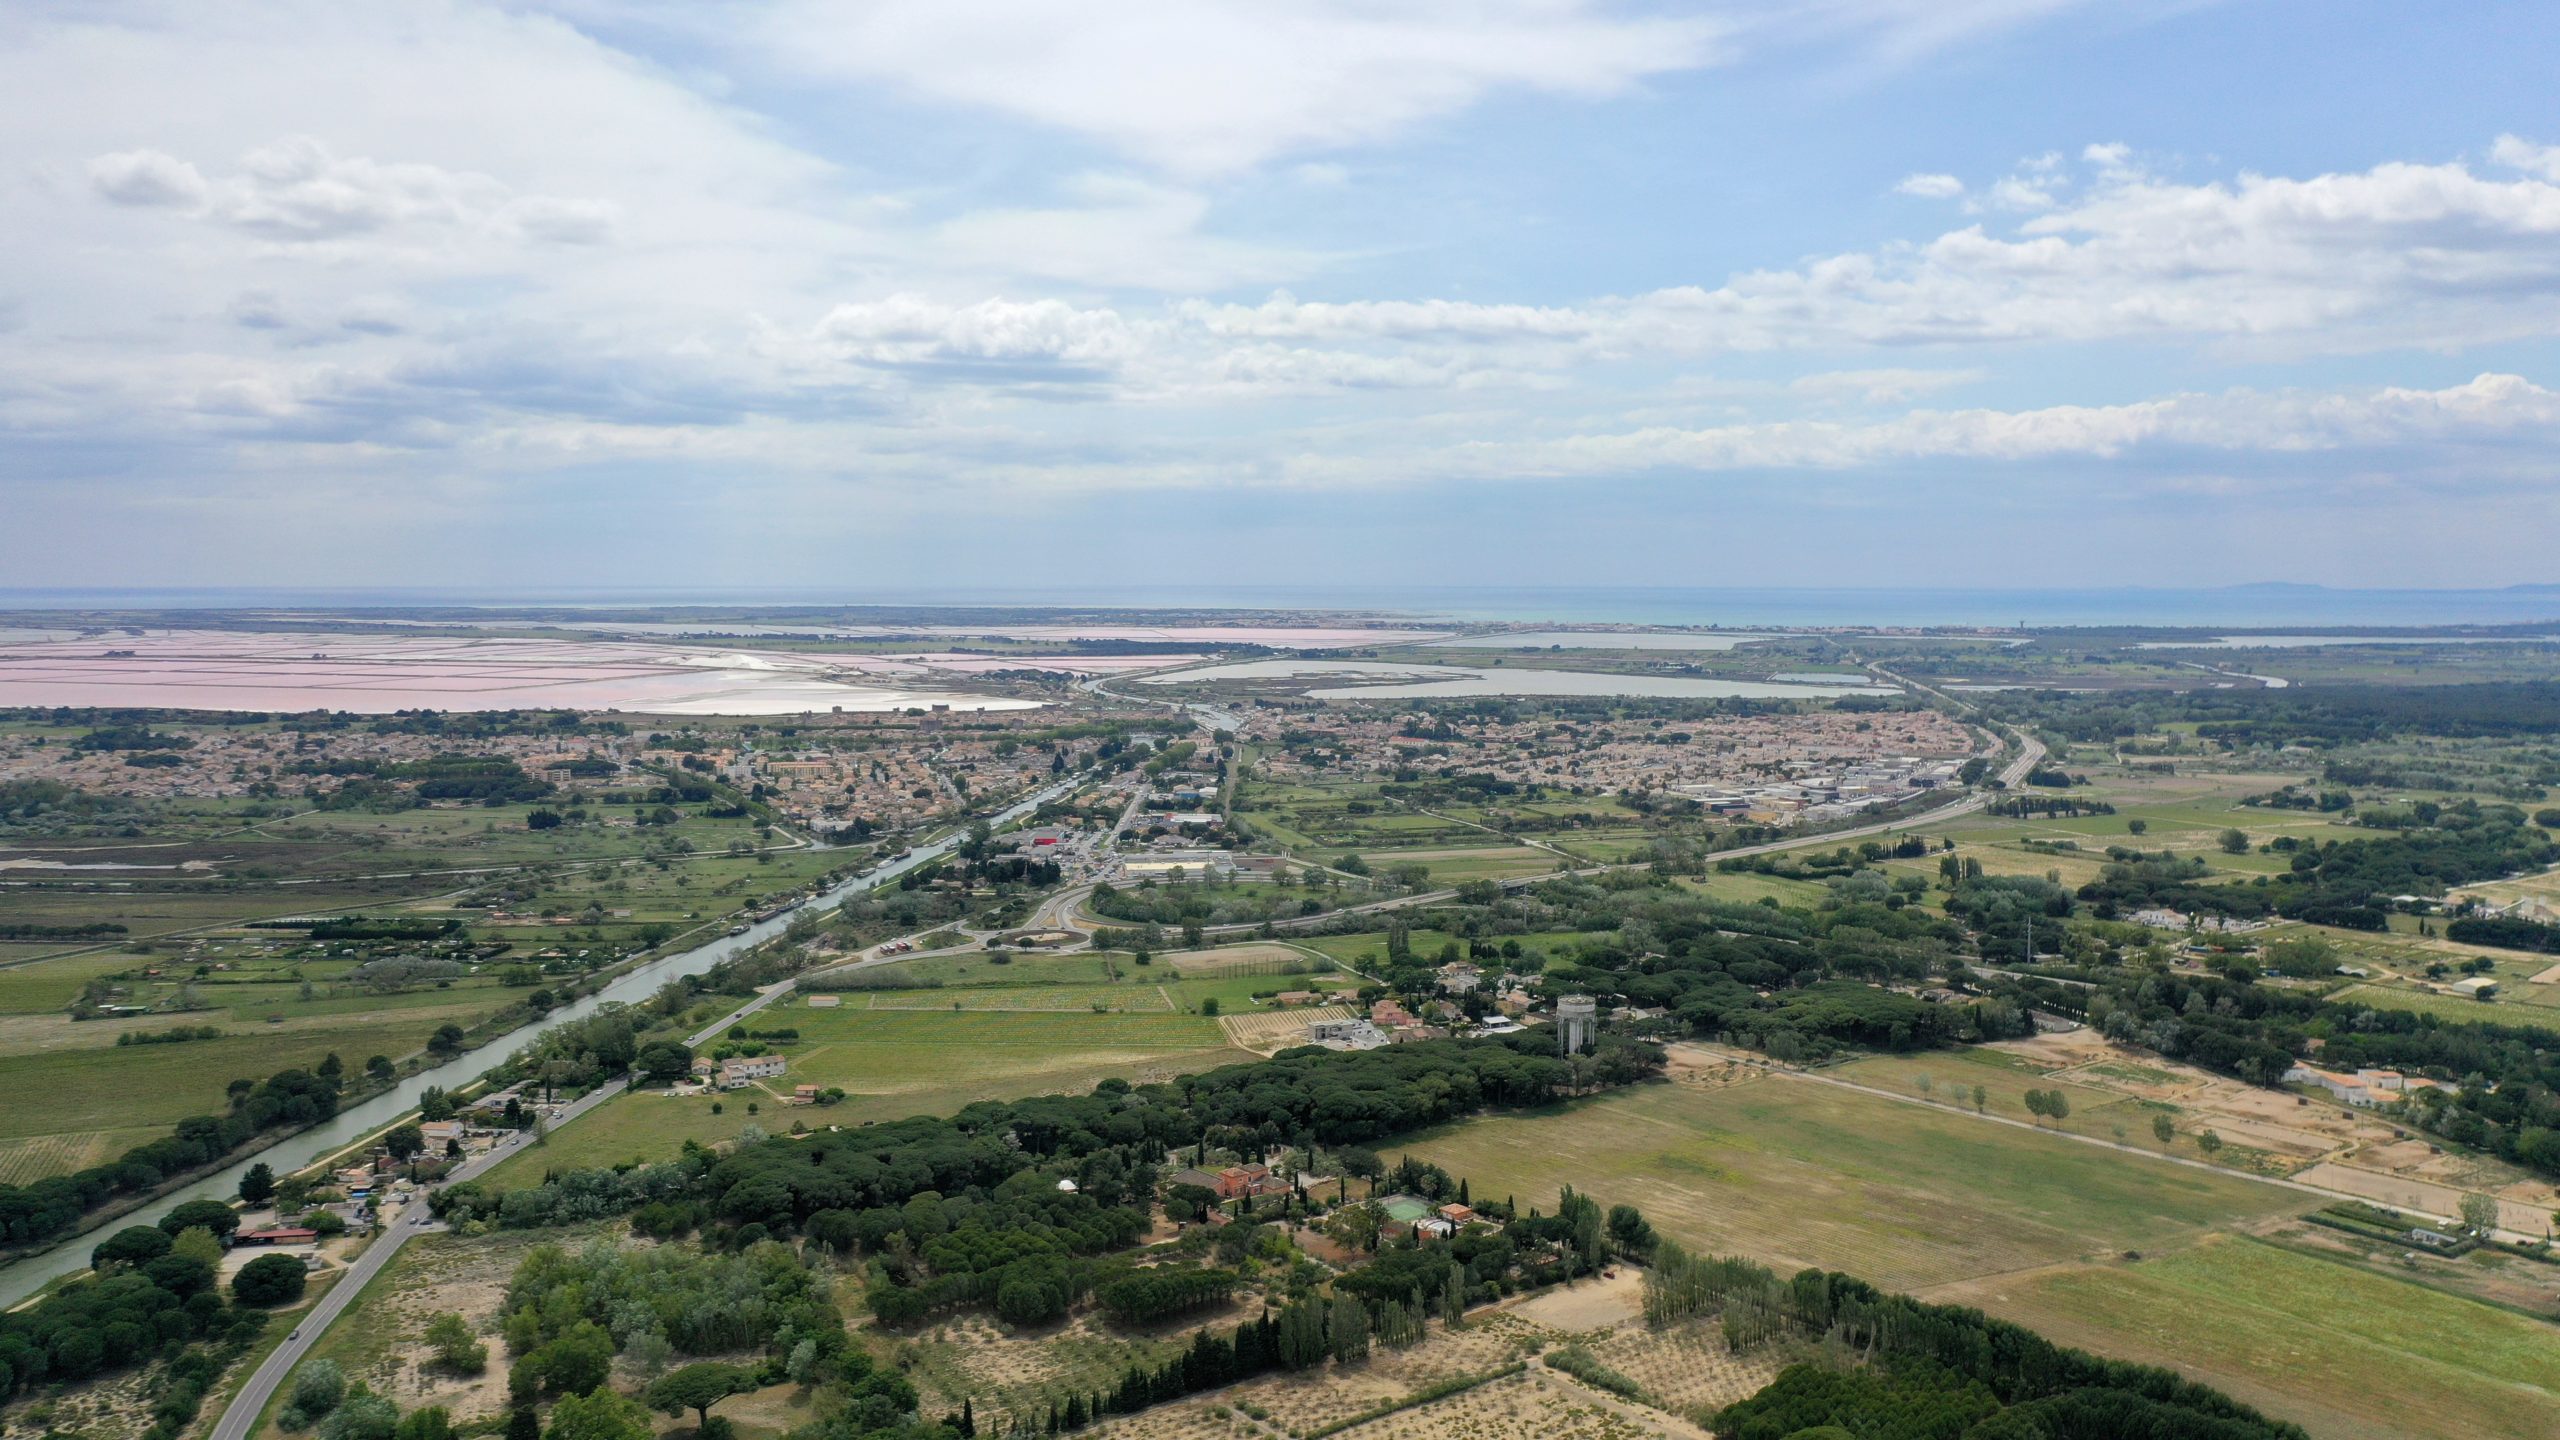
(968, 1419)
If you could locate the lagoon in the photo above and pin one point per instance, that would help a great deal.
(1402, 682)
(1609, 640)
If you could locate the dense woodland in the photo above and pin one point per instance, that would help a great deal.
(2310, 716)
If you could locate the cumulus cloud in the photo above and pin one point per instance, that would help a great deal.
(296, 190)
(511, 241)
(2518, 153)
(911, 330)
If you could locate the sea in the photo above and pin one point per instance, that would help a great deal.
(2239, 606)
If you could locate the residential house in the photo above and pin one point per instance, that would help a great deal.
(745, 1070)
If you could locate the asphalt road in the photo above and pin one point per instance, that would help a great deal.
(242, 1414)
(1067, 904)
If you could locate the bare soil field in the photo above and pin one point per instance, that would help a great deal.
(2322, 1137)
(1613, 1300)
(1243, 960)
(2403, 1192)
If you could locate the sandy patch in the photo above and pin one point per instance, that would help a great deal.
(2426, 1197)
(1588, 1305)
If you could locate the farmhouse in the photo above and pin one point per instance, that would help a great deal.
(747, 1069)
(276, 1235)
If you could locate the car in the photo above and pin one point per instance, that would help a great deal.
(296, 1335)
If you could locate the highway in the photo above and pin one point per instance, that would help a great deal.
(242, 1414)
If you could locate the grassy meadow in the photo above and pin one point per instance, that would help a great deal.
(1795, 1173)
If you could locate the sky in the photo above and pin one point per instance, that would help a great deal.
(1451, 292)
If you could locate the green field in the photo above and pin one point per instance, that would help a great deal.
(880, 1051)
(2346, 1352)
(72, 1091)
(2506, 1009)
(1745, 888)
(1454, 865)
(48, 987)
(1795, 1173)
(191, 953)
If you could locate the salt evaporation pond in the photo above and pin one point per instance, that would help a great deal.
(377, 675)
(1278, 637)
(1416, 682)
(1608, 640)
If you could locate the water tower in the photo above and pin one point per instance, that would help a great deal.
(1577, 1022)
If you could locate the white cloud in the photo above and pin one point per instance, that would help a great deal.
(475, 242)
(147, 177)
(2110, 157)
(2491, 409)
(2015, 193)
(2397, 255)
(908, 329)
(1207, 87)
(2521, 154)
(296, 191)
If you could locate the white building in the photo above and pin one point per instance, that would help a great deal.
(737, 1074)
